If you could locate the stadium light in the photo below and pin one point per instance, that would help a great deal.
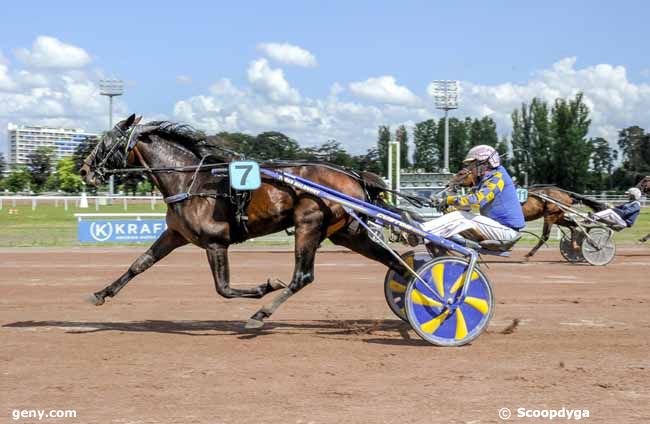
(445, 95)
(111, 88)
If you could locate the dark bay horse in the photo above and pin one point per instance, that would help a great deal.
(208, 218)
(536, 207)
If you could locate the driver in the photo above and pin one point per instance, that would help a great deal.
(624, 215)
(494, 196)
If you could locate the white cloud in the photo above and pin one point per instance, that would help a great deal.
(384, 89)
(614, 101)
(6, 82)
(288, 54)
(52, 96)
(183, 79)
(312, 121)
(48, 52)
(271, 82)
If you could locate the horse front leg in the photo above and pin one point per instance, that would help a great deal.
(218, 259)
(168, 241)
(546, 232)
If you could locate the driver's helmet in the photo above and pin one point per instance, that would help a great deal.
(634, 193)
(483, 154)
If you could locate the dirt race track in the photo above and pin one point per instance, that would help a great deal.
(169, 350)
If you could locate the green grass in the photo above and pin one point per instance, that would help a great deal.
(50, 226)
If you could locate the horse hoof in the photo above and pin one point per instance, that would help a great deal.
(96, 300)
(253, 324)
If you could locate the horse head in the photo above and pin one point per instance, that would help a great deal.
(644, 185)
(114, 150)
(463, 178)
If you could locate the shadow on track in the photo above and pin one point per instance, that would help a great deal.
(321, 328)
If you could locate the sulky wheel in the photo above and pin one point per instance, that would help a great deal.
(395, 284)
(567, 250)
(457, 320)
(599, 247)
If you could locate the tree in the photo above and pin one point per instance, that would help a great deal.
(541, 142)
(458, 141)
(522, 125)
(402, 137)
(571, 149)
(503, 147)
(554, 142)
(18, 180)
(39, 165)
(634, 144)
(369, 162)
(331, 152)
(482, 131)
(383, 140)
(3, 165)
(68, 178)
(426, 155)
(275, 145)
(602, 163)
(239, 142)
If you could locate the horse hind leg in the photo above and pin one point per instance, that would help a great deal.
(308, 237)
(218, 259)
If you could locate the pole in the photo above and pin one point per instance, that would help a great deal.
(389, 170)
(446, 165)
(111, 180)
(398, 166)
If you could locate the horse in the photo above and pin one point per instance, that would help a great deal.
(202, 210)
(535, 207)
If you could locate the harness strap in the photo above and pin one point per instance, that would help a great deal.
(176, 198)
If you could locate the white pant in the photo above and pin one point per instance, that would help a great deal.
(611, 216)
(479, 227)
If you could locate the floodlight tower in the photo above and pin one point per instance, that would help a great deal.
(445, 94)
(111, 88)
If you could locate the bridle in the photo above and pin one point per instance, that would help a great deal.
(124, 138)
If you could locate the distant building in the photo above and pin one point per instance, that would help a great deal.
(423, 184)
(24, 140)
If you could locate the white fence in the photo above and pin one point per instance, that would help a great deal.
(76, 201)
(98, 201)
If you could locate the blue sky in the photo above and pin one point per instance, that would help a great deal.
(172, 54)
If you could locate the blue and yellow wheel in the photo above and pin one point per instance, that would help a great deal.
(395, 284)
(455, 321)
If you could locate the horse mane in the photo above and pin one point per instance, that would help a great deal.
(196, 141)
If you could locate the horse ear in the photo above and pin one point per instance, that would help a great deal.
(137, 120)
(128, 122)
